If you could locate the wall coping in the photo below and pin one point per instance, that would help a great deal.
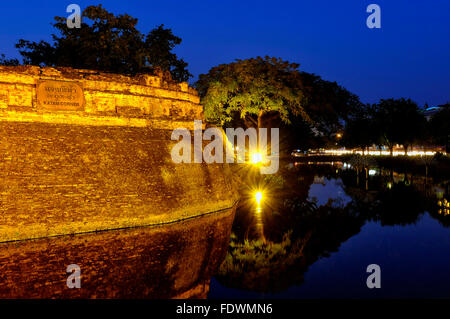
(144, 96)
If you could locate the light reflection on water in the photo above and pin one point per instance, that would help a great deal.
(259, 222)
(346, 222)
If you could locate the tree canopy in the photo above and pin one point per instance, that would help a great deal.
(399, 121)
(308, 109)
(329, 104)
(251, 88)
(106, 42)
(439, 126)
(360, 130)
(389, 122)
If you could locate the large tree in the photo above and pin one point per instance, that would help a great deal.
(398, 121)
(360, 130)
(252, 89)
(439, 127)
(329, 104)
(107, 42)
(272, 92)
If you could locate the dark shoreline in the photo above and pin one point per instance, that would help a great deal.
(438, 165)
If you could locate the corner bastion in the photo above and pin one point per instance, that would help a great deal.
(84, 151)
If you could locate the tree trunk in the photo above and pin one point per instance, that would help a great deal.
(268, 137)
(391, 150)
(405, 147)
(260, 119)
(367, 179)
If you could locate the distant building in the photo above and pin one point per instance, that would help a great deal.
(431, 110)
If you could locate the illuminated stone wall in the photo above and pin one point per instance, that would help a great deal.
(143, 96)
(104, 167)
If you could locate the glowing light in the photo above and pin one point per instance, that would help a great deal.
(258, 197)
(445, 205)
(377, 152)
(372, 172)
(256, 158)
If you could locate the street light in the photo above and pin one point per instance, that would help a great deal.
(258, 197)
(256, 158)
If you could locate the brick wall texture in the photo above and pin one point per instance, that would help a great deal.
(103, 167)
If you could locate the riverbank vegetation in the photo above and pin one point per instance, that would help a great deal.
(436, 166)
(312, 112)
(259, 266)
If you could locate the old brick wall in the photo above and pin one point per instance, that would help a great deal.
(143, 96)
(105, 167)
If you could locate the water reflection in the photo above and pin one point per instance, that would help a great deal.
(444, 207)
(314, 209)
(259, 222)
(171, 261)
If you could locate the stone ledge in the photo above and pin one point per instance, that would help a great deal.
(33, 232)
(149, 95)
(79, 118)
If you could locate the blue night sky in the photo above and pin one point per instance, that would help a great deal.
(408, 57)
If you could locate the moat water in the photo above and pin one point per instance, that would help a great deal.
(323, 224)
